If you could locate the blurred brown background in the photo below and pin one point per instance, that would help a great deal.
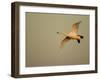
(42, 40)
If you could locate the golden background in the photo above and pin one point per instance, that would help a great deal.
(42, 40)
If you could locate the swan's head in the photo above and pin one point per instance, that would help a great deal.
(57, 32)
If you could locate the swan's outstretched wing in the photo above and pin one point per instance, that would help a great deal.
(64, 41)
(75, 26)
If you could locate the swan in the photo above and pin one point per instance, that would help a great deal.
(71, 35)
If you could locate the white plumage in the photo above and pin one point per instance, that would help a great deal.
(71, 35)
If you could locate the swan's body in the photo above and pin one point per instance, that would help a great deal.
(72, 35)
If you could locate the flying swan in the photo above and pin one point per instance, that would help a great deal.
(71, 35)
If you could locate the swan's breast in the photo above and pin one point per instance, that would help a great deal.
(73, 35)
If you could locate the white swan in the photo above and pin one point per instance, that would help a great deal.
(71, 35)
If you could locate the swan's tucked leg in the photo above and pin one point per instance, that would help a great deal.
(78, 41)
(81, 36)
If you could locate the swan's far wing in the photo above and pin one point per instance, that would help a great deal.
(64, 41)
(75, 26)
